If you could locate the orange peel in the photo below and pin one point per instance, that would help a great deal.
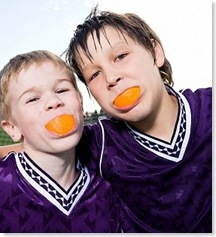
(61, 125)
(128, 97)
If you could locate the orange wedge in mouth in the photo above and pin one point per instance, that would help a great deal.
(127, 98)
(61, 125)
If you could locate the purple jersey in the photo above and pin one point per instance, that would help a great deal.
(166, 185)
(31, 201)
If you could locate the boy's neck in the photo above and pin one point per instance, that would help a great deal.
(162, 124)
(61, 167)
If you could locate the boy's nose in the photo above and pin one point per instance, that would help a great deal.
(112, 81)
(53, 102)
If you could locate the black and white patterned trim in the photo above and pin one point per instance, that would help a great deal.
(174, 150)
(63, 200)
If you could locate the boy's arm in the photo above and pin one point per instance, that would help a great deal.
(4, 150)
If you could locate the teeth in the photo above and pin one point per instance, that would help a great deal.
(128, 97)
(61, 125)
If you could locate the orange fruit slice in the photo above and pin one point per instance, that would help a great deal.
(61, 125)
(128, 97)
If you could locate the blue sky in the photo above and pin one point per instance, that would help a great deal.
(38, 24)
(184, 26)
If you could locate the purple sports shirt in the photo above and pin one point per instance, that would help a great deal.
(32, 202)
(167, 186)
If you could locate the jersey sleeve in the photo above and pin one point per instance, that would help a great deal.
(89, 147)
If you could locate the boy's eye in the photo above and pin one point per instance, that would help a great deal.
(121, 56)
(94, 75)
(32, 100)
(59, 91)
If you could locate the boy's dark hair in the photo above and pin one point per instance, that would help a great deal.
(129, 23)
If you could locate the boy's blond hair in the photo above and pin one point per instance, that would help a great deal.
(22, 62)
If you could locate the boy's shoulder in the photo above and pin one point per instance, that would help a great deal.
(200, 102)
(7, 172)
(104, 121)
(7, 161)
(104, 125)
(198, 93)
(200, 98)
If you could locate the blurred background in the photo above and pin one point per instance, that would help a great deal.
(184, 27)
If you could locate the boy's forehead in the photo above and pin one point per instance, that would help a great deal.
(109, 33)
(108, 37)
(37, 67)
(37, 72)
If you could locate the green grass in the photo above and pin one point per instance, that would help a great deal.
(4, 138)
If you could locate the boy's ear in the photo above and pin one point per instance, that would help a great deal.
(159, 55)
(11, 130)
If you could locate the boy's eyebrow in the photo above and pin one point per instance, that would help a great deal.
(27, 91)
(120, 43)
(34, 88)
